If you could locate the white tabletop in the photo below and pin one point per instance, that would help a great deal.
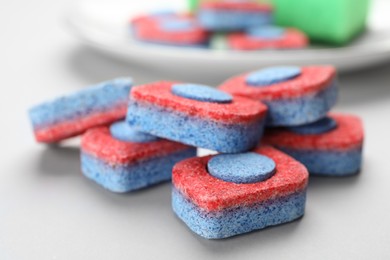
(48, 210)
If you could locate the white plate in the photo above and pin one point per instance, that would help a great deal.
(103, 26)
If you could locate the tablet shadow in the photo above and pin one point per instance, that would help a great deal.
(59, 160)
(64, 162)
(329, 184)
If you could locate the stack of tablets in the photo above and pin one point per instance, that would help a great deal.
(236, 25)
(299, 100)
(330, 22)
(133, 139)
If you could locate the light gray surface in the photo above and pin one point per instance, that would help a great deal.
(49, 211)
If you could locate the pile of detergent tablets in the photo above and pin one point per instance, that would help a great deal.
(269, 128)
(234, 25)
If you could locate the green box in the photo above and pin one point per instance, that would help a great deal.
(192, 5)
(329, 21)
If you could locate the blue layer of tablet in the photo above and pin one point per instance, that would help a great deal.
(235, 221)
(302, 110)
(124, 178)
(97, 98)
(328, 163)
(195, 131)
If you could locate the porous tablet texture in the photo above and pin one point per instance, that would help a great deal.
(241, 168)
(124, 166)
(229, 128)
(128, 177)
(240, 220)
(328, 163)
(98, 97)
(216, 209)
(180, 127)
(301, 100)
(122, 131)
(71, 115)
(298, 111)
(337, 152)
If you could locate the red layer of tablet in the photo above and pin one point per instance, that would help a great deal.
(312, 80)
(236, 6)
(241, 110)
(291, 39)
(67, 129)
(99, 143)
(148, 28)
(349, 134)
(191, 178)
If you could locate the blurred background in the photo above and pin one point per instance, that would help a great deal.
(47, 211)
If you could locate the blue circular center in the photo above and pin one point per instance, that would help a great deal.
(241, 168)
(323, 125)
(123, 132)
(269, 76)
(201, 93)
(266, 32)
(173, 25)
